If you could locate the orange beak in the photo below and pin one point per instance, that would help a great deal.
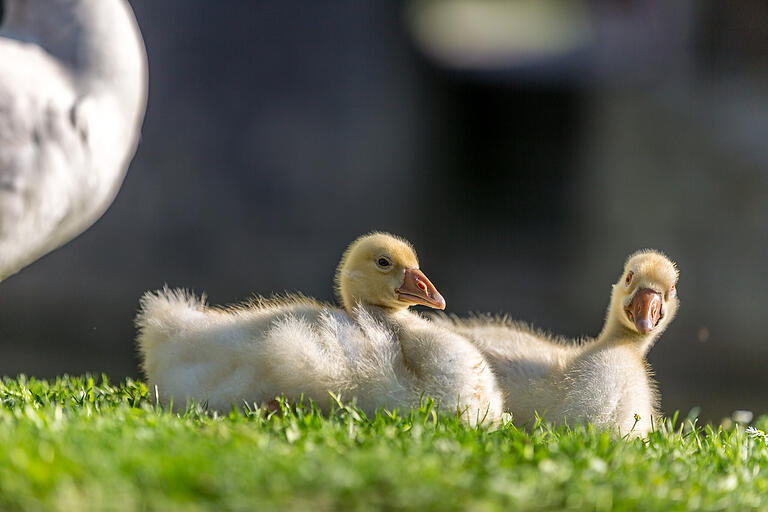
(417, 289)
(645, 310)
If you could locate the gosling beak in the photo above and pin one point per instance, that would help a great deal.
(416, 289)
(644, 310)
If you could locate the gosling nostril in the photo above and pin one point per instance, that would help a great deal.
(645, 326)
(422, 286)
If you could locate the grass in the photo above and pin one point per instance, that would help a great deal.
(85, 444)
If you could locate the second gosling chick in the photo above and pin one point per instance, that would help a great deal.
(605, 381)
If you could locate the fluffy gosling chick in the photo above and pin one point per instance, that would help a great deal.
(605, 381)
(374, 351)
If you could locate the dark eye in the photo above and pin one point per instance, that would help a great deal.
(383, 262)
(629, 277)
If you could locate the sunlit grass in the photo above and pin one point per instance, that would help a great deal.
(85, 444)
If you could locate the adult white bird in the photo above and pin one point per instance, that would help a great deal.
(73, 90)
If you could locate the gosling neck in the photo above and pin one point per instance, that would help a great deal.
(377, 311)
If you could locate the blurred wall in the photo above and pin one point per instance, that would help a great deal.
(276, 132)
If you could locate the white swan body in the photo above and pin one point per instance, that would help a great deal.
(73, 81)
(376, 352)
(605, 381)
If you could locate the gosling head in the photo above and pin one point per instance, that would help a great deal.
(645, 297)
(382, 270)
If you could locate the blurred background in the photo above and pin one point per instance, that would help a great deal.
(525, 147)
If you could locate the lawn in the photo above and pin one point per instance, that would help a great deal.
(86, 444)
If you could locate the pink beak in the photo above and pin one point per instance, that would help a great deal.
(645, 310)
(417, 289)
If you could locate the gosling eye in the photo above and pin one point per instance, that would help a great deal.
(384, 262)
(628, 280)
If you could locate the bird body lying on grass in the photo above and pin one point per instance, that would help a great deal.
(605, 381)
(73, 86)
(374, 350)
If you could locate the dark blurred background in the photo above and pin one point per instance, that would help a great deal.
(525, 147)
